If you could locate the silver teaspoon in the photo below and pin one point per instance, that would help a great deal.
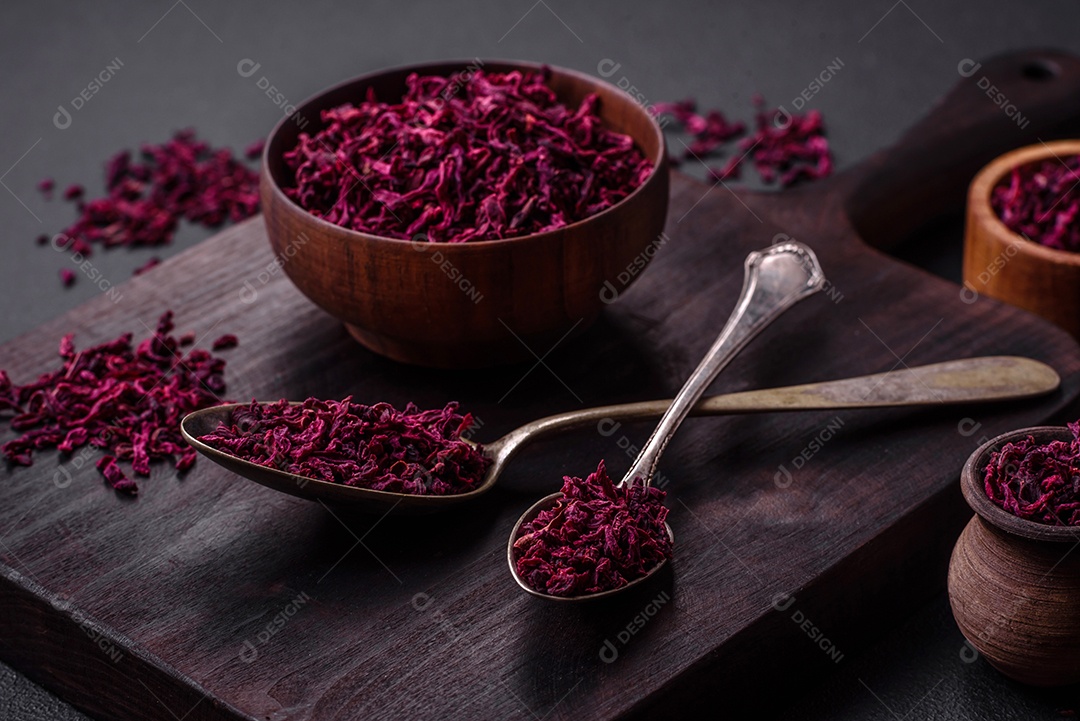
(775, 279)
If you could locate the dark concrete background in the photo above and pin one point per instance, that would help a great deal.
(178, 68)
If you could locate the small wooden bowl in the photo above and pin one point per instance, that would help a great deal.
(1014, 584)
(475, 304)
(1003, 265)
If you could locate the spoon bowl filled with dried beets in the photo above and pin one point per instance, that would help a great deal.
(597, 538)
(448, 212)
(346, 454)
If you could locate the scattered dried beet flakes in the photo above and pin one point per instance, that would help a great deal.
(494, 156)
(225, 342)
(152, 263)
(784, 148)
(182, 179)
(115, 476)
(684, 112)
(709, 131)
(1041, 201)
(9, 394)
(789, 150)
(254, 150)
(67, 277)
(46, 186)
(598, 537)
(1038, 482)
(124, 399)
(74, 192)
(377, 447)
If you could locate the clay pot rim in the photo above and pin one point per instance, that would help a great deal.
(971, 485)
(987, 179)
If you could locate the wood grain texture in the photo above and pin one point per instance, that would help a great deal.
(450, 305)
(1006, 266)
(850, 513)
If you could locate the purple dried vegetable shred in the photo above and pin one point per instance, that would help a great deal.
(46, 185)
(710, 131)
(151, 263)
(782, 152)
(793, 151)
(254, 150)
(225, 342)
(125, 399)
(598, 537)
(494, 156)
(1038, 482)
(1040, 200)
(67, 277)
(376, 447)
(146, 198)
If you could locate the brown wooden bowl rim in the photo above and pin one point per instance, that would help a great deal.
(659, 161)
(971, 485)
(987, 179)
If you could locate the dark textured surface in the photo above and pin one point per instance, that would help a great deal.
(170, 589)
(923, 669)
(180, 74)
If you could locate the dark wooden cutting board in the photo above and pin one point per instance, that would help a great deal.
(210, 597)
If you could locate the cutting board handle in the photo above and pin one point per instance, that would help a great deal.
(1006, 102)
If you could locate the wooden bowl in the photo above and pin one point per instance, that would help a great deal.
(1003, 265)
(474, 304)
(1014, 584)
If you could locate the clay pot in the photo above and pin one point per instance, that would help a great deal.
(1014, 584)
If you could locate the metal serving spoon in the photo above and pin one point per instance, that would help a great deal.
(775, 279)
(971, 380)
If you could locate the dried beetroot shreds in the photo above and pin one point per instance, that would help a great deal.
(1040, 483)
(684, 112)
(492, 156)
(225, 342)
(152, 263)
(125, 399)
(598, 537)
(74, 192)
(377, 447)
(182, 179)
(1041, 200)
(115, 476)
(67, 277)
(788, 148)
(8, 393)
(709, 131)
(784, 148)
(254, 150)
(46, 186)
